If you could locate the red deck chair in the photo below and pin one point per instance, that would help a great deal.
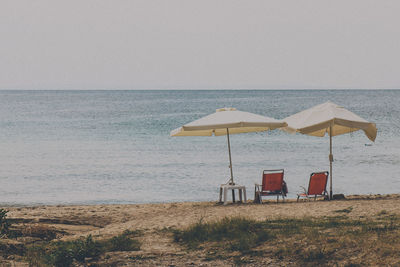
(316, 186)
(272, 185)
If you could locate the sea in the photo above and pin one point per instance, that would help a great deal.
(114, 147)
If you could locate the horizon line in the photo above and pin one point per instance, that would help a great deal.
(204, 89)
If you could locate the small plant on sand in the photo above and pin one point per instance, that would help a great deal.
(317, 254)
(64, 253)
(4, 223)
(239, 234)
(123, 242)
(382, 212)
(346, 210)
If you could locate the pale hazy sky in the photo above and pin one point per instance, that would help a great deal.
(204, 44)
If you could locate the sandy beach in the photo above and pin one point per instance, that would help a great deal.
(122, 123)
(153, 221)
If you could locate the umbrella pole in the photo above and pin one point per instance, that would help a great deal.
(330, 161)
(230, 164)
(230, 157)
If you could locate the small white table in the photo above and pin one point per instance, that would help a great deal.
(224, 190)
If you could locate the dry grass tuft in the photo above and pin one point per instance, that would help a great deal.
(41, 231)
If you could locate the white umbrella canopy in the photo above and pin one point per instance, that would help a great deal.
(328, 118)
(228, 118)
(318, 120)
(227, 121)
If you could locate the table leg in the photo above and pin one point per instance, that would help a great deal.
(220, 194)
(225, 196)
(244, 193)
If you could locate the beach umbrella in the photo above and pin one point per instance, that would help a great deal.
(331, 119)
(226, 121)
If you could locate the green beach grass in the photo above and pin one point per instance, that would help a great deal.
(305, 241)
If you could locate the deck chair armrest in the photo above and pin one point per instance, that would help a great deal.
(304, 189)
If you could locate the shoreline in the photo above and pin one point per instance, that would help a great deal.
(249, 201)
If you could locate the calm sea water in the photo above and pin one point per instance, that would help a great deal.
(60, 147)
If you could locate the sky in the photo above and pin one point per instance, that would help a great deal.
(202, 44)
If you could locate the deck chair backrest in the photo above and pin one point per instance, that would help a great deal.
(272, 180)
(318, 181)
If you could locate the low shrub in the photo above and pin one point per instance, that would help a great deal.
(242, 234)
(4, 223)
(123, 242)
(313, 254)
(12, 249)
(64, 253)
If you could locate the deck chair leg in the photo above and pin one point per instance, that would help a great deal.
(233, 195)
(220, 194)
(277, 198)
(240, 195)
